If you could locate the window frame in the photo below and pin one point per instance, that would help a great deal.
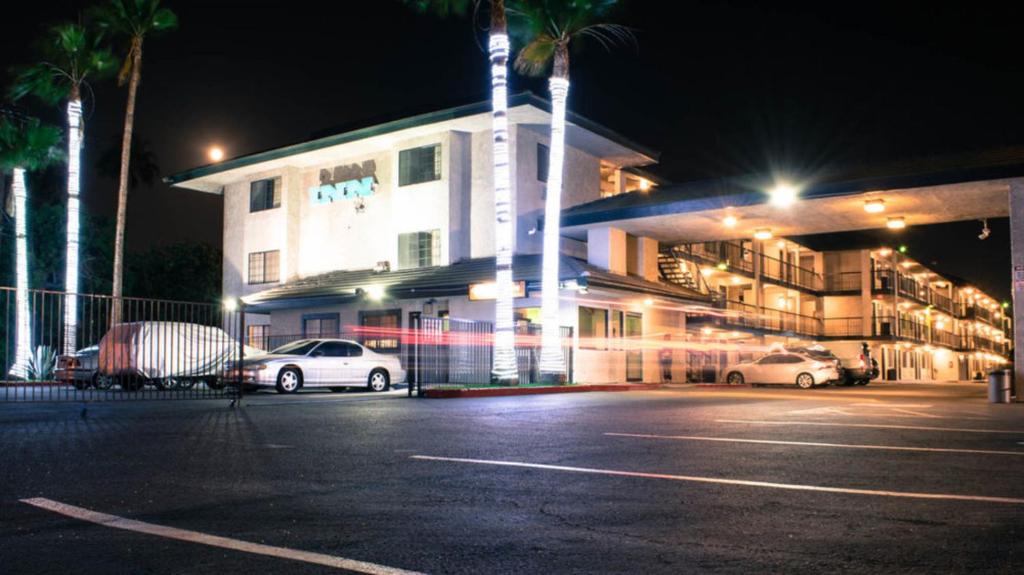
(433, 237)
(373, 342)
(584, 344)
(274, 198)
(263, 278)
(407, 177)
(320, 317)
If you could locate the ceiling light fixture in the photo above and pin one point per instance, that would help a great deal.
(763, 234)
(896, 223)
(876, 206)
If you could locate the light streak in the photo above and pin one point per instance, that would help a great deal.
(551, 360)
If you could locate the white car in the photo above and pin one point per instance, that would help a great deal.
(331, 363)
(804, 371)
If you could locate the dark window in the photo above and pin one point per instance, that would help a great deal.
(769, 359)
(320, 325)
(790, 359)
(593, 328)
(381, 329)
(418, 165)
(300, 347)
(339, 349)
(543, 156)
(264, 195)
(419, 249)
(264, 267)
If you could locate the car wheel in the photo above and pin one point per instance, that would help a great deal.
(378, 380)
(289, 380)
(805, 381)
(735, 378)
(102, 381)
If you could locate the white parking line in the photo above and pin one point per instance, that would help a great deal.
(870, 425)
(723, 481)
(815, 444)
(116, 522)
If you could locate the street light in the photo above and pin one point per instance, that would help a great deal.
(783, 195)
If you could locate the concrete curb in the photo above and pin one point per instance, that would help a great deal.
(504, 391)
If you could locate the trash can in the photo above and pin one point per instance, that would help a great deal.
(999, 385)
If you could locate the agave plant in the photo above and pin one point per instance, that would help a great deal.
(42, 363)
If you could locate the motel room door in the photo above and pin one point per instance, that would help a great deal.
(632, 332)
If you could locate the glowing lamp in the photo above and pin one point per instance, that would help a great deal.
(763, 234)
(885, 252)
(729, 221)
(648, 302)
(215, 153)
(374, 292)
(896, 223)
(874, 206)
(783, 195)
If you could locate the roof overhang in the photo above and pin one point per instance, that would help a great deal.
(524, 109)
(695, 212)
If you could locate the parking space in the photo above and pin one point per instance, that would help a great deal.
(896, 479)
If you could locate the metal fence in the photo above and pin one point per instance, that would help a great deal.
(454, 353)
(115, 350)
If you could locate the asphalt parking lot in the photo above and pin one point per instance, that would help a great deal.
(899, 478)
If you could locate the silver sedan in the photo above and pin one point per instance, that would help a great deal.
(804, 371)
(331, 363)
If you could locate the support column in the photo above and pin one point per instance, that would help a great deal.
(1017, 277)
(606, 249)
(758, 247)
(867, 321)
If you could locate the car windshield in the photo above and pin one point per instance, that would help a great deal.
(300, 347)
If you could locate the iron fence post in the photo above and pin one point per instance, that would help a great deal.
(241, 348)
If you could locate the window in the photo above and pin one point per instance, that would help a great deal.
(265, 195)
(790, 359)
(259, 336)
(419, 249)
(418, 165)
(264, 267)
(543, 156)
(320, 325)
(593, 328)
(339, 349)
(301, 347)
(615, 330)
(381, 329)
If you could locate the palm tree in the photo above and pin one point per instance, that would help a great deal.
(504, 369)
(548, 28)
(71, 54)
(25, 145)
(133, 21)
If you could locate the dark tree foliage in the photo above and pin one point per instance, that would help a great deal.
(186, 271)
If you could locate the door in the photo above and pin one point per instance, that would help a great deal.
(330, 362)
(633, 331)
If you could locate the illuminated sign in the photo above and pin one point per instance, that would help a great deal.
(345, 183)
(489, 290)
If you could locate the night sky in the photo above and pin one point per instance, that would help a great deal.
(719, 87)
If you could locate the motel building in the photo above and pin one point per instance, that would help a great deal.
(369, 232)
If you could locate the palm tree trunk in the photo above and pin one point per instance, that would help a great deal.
(505, 369)
(23, 337)
(75, 131)
(552, 363)
(122, 186)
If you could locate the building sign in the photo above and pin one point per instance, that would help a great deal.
(489, 290)
(345, 183)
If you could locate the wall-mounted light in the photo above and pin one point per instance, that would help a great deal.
(876, 206)
(648, 302)
(763, 234)
(896, 223)
(374, 292)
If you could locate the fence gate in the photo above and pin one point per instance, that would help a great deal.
(454, 353)
(56, 346)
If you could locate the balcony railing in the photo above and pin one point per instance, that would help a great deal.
(944, 338)
(748, 316)
(843, 281)
(785, 273)
(737, 257)
(941, 301)
(843, 327)
(980, 314)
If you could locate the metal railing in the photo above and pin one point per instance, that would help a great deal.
(735, 256)
(749, 316)
(785, 273)
(157, 349)
(843, 327)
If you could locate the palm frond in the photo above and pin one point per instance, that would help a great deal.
(29, 144)
(535, 58)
